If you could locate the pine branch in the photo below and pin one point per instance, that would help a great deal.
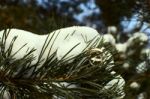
(80, 78)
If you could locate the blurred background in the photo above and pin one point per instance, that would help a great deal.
(126, 16)
(43, 16)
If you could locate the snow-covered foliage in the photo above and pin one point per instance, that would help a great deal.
(108, 38)
(121, 47)
(132, 44)
(141, 68)
(139, 38)
(23, 37)
(112, 30)
(120, 85)
(119, 80)
(6, 95)
(135, 85)
(63, 40)
(145, 52)
(126, 66)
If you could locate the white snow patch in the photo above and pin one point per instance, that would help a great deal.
(108, 38)
(66, 38)
(120, 82)
(112, 29)
(121, 47)
(135, 85)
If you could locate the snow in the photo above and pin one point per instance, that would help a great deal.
(82, 35)
(112, 30)
(126, 65)
(118, 80)
(66, 38)
(142, 67)
(23, 37)
(6, 95)
(145, 52)
(135, 85)
(63, 40)
(121, 47)
(129, 25)
(120, 85)
(141, 96)
(67, 45)
(108, 38)
(141, 37)
(60, 41)
(64, 84)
